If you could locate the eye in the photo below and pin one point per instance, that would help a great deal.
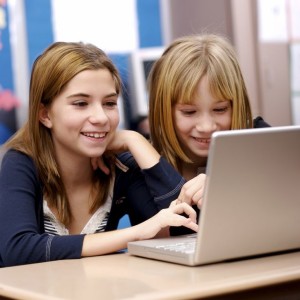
(80, 103)
(111, 103)
(221, 109)
(188, 112)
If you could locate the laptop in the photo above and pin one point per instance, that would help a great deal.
(251, 204)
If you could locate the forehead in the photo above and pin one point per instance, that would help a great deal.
(92, 79)
(202, 91)
(87, 75)
(89, 83)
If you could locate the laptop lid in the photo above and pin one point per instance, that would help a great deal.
(251, 203)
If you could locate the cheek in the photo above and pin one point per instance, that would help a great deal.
(182, 125)
(114, 118)
(226, 122)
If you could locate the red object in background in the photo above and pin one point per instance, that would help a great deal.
(7, 100)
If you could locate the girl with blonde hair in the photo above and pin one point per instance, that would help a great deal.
(196, 88)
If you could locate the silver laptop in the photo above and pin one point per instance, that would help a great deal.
(251, 203)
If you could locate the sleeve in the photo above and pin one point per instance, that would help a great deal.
(22, 240)
(148, 190)
(259, 122)
(164, 183)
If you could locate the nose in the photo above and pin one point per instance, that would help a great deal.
(98, 115)
(206, 123)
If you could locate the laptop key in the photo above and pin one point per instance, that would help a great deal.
(179, 247)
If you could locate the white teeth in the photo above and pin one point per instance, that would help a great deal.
(203, 140)
(94, 135)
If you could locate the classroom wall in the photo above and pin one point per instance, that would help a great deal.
(31, 27)
(8, 102)
(266, 64)
(266, 37)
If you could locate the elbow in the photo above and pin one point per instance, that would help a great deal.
(21, 251)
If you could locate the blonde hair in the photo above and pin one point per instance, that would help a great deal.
(51, 71)
(174, 78)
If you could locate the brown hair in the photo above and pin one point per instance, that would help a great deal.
(51, 71)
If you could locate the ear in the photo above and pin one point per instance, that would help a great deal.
(44, 116)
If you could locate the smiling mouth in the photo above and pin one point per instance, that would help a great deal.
(205, 141)
(95, 135)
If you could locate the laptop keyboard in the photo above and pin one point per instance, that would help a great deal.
(187, 247)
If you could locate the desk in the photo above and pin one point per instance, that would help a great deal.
(121, 276)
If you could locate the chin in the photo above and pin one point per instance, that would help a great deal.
(201, 153)
(94, 153)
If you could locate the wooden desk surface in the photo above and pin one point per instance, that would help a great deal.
(121, 276)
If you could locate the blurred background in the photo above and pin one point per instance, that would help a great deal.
(265, 34)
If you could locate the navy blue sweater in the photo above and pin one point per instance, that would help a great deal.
(140, 194)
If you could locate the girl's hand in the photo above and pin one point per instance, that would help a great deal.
(118, 144)
(171, 216)
(111, 241)
(192, 191)
(98, 162)
(128, 140)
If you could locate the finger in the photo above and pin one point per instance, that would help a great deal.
(197, 196)
(192, 190)
(187, 209)
(192, 225)
(97, 162)
(186, 222)
(173, 203)
(192, 195)
(179, 201)
(104, 168)
(94, 163)
(184, 195)
(199, 203)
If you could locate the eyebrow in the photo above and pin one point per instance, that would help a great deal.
(222, 101)
(87, 95)
(79, 95)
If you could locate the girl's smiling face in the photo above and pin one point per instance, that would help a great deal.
(196, 122)
(84, 116)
